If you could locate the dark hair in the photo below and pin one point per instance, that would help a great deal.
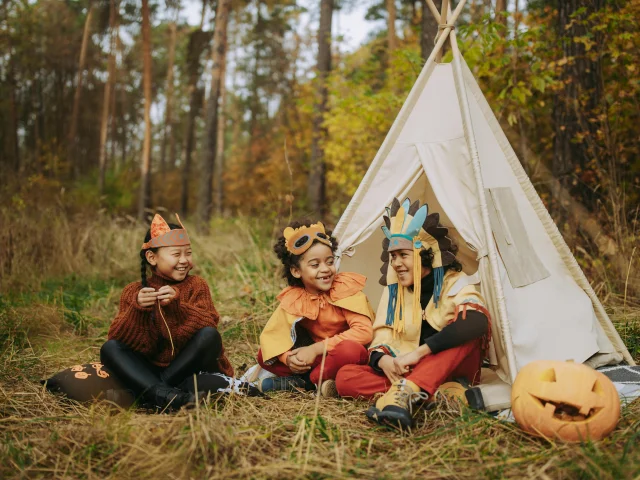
(143, 258)
(289, 260)
(426, 259)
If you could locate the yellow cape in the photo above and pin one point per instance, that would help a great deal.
(279, 333)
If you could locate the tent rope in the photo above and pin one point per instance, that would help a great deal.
(441, 28)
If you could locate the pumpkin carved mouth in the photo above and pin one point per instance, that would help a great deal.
(564, 411)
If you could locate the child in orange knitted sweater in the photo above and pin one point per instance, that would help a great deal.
(165, 330)
(320, 311)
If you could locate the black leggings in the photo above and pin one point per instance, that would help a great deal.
(200, 354)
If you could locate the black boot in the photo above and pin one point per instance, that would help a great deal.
(139, 375)
(169, 398)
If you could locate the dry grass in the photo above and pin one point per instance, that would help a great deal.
(62, 321)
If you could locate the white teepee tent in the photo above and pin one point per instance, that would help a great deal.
(447, 148)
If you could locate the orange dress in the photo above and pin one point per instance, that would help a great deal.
(322, 318)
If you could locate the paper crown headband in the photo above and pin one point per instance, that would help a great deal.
(163, 236)
(299, 240)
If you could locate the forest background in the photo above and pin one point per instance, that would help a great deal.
(123, 107)
(111, 110)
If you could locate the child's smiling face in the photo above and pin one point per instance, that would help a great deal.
(402, 262)
(316, 269)
(171, 262)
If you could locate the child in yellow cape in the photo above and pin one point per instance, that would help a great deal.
(432, 324)
(319, 311)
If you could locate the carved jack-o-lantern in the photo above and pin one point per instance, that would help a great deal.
(564, 400)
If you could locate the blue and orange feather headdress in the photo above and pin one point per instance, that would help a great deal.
(409, 226)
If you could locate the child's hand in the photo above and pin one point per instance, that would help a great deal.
(166, 294)
(147, 296)
(295, 365)
(408, 360)
(388, 365)
(306, 355)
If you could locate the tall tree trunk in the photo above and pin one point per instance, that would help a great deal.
(73, 128)
(254, 102)
(579, 74)
(14, 150)
(145, 170)
(218, 171)
(14, 145)
(36, 125)
(392, 39)
(106, 103)
(14, 127)
(194, 49)
(316, 184)
(476, 10)
(501, 7)
(429, 29)
(188, 147)
(208, 155)
(111, 134)
(168, 119)
(123, 129)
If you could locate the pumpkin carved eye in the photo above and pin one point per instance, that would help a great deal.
(548, 376)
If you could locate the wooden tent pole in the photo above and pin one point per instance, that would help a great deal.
(443, 21)
(434, 10)
(441, 18)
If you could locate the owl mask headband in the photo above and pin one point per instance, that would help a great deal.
(410, 227)
(299, 240)
(163, 236)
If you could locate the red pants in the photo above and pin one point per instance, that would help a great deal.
(347, 352)
(429, 373)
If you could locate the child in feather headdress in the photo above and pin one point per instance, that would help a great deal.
(320, 311)
(432, 324)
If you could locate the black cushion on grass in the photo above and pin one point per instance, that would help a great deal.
(90, 382)
(93, 381)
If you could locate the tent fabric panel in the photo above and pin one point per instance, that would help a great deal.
(541, 212)
(419, 87)
(520, 259)
(549, 319)
(435, 117)
(401, 169)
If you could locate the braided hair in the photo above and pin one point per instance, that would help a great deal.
(289, 260)
(143, 257)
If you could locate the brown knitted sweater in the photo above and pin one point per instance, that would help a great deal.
(189, 311)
